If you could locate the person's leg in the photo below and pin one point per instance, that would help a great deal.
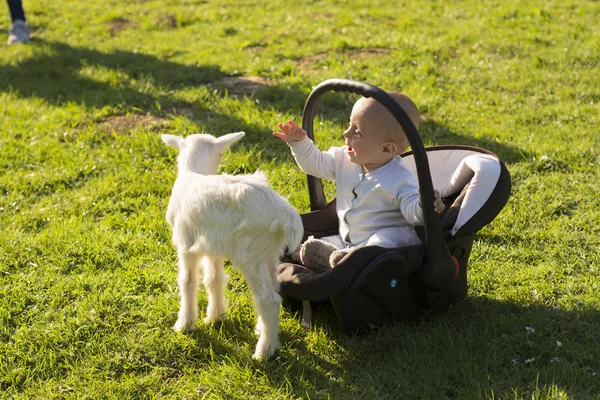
(19, 32)
(16, 10)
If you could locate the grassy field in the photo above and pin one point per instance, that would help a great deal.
(88, 290)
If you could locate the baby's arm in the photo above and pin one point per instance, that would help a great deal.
(410, 205)
(313, 161)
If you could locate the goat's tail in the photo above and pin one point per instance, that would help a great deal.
(294, 231)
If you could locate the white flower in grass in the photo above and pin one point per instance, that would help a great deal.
(530, 360)
(530, 329)
(554, 359)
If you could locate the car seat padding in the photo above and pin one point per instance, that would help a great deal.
(304, 284)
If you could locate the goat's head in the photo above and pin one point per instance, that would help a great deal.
(200, 153)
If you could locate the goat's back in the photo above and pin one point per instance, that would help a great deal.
(232, 216)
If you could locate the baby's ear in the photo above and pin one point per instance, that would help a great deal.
(390, 148)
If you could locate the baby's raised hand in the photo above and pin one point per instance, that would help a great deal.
(290, 132)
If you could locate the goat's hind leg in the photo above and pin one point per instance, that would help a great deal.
(262, 283)
(189, 279)
(214, 281)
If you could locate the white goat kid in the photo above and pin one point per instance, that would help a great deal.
(218, 217)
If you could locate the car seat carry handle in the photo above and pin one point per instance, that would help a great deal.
(439, 270)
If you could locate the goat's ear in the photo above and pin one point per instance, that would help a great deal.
(172, 140)
(227, 140)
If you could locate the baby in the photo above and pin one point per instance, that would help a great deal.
(377, 197)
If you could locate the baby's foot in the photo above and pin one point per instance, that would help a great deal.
(337, 256)
(315, 253)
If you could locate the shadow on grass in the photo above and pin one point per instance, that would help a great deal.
(125, 81)
(293, 366)
(481, 348)
(61, 74)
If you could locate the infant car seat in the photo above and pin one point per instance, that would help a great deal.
(372, 284)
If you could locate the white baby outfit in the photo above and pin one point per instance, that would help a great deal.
(378, 208)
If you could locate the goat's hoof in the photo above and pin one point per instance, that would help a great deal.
(184, 326)
(215, 313)
(265, 349)
(209, 319)
(265, 354)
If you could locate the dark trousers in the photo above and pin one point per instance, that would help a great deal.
(16, 10)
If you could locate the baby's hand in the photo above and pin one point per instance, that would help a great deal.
(438, 204)
(290, 132)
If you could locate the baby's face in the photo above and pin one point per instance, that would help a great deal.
(364, 136)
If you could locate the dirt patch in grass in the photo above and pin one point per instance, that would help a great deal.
(123, 124)
(259, 45)
(361, 54)
(321, 15)
(242, 85)
(309, 62)
(167, 21)
(120, 24)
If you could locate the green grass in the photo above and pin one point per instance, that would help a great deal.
(87, 273)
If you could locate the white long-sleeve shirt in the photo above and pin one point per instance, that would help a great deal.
(377, 208)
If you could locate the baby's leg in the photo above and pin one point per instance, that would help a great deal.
(335, 240)
(381, 239)
(392, 239)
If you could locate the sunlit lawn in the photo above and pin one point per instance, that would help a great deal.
(88, 290)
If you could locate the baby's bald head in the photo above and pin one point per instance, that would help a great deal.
(377, 119)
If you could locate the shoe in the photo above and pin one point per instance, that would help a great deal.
(19, 33)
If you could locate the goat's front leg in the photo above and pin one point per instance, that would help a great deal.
(214, 281)
(189, 280)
